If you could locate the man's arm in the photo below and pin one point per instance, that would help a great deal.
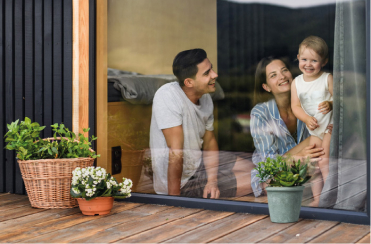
(174, 140)
(211, 161)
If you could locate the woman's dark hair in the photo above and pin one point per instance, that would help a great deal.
(185, 64)
(261, 95)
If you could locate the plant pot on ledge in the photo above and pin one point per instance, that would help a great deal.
(285, 179)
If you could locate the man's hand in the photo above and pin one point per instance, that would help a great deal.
(312, 152)
(311, 123)
(212, 189)
(325, 107)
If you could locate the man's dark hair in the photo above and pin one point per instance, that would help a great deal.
(185, 64)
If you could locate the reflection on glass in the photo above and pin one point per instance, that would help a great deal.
(144, 38)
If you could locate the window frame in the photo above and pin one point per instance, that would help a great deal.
(211, 204)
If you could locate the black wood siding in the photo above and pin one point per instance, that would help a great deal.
(36, 72)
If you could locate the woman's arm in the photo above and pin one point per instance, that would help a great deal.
(263, 137)
(299, 112)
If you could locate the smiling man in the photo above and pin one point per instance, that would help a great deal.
(184, 151)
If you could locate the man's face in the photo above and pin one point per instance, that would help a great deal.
(204, 81)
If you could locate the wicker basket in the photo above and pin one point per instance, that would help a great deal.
(48, 181)
(132, 164)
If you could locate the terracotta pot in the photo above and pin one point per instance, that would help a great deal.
(96, 206)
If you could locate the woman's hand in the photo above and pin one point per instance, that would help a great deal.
(330, 127)
(310, 152)
(311, 123)
(325, 107)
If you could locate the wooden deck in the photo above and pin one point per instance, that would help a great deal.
(134, 222)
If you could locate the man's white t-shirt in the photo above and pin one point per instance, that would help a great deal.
(171, 107)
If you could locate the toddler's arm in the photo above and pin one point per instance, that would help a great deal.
(299, 112)
(326, 106)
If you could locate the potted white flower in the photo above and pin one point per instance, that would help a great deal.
(95, 190)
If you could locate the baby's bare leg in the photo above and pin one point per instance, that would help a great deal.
(316, 180)
(324, 163)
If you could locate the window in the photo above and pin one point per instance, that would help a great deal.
(145, 36)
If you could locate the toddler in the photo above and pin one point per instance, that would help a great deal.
(311, 101)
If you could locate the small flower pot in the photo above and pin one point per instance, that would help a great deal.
(284, 203)
(96, 206)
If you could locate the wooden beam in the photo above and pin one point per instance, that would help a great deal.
(80, 76)
(101, 79)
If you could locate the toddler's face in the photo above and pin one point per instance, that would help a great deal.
(310, 63)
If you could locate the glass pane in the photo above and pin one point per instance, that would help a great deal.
(250, 121)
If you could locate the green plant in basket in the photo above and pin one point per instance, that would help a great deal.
(24, 138)
(283, 171)
(91, 182)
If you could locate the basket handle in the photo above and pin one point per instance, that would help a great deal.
(60, 138)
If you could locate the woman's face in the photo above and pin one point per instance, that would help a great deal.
(278, 78)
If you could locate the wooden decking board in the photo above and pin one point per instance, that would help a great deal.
(307, 230)
(255, 232)
(365, 239)
(85, 230)
(8, 198)
(119, 232)
(134, 222)
(343, 233)
(15, 204)
(175, 228)
(217, 229)
(60, 223)
(11, 227)
(18, 212)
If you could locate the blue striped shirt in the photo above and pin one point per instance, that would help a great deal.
(271, 136)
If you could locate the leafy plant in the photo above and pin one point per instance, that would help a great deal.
(283, 171)
(25, 139)
(91, 182)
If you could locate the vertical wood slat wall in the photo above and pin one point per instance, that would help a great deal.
(35, 72)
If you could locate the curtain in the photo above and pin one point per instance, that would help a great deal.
(346, 187)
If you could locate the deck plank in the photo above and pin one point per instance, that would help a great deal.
(254, 233)
(173, 229)
(365, 239)
(84, 230)
(306, 230)
(45, 227)
(14, 204)
(217, 229)
(19, 212)
(11, 227)
(8, 198)
(343, 233)
(130, 228)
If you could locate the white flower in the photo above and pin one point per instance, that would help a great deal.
(108, 185)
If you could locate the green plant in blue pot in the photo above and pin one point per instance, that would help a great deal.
(285, 178)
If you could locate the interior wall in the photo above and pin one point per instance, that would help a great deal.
(144, 36)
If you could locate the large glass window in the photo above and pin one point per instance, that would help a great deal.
(250, 121)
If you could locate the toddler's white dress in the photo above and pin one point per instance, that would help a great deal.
(311, 94)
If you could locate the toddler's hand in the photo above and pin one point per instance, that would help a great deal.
(325, 107)
(311, 123)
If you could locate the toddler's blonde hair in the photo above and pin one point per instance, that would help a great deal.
(315, 43)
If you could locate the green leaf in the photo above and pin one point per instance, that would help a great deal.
(73, 194)
(285, 183)
(50, 151)
(27, 121)
(54, 150)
